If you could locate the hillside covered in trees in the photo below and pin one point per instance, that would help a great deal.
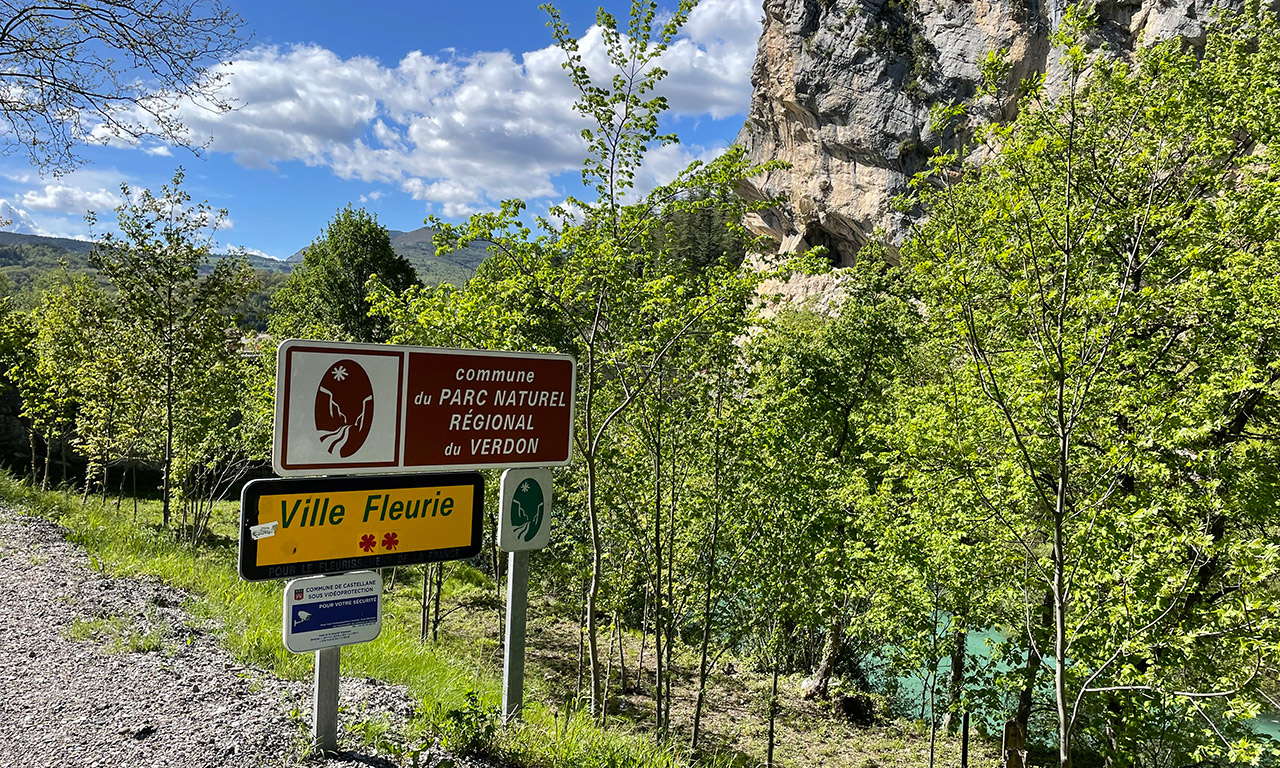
(28, 264)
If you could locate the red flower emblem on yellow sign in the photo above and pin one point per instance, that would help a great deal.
(390, 541)
(368, 542)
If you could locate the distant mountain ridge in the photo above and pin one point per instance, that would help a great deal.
(82, 249)
(19, 264)
(65, 243)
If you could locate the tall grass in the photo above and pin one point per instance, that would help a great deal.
(458, 688)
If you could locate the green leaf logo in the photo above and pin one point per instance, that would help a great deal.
(526, 509)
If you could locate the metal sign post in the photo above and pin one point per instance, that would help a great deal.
(322, 614)
(524, 523)
(513, 654)
(324, 718)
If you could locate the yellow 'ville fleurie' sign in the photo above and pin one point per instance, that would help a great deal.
(307, 526)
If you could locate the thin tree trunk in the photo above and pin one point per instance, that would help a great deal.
(435, 615)
(706, 602)
(106, 456)
(1111, 732)
(933, 700)
(933, 737)
(608, 668)
(657, 575)
(499, 605)
(106, 480)
(582, 631)
(1034, 660)
(428, 577)
(622, 663)
(167, 481)
(670, 623)
(773, 706)
(1060, 598)
(31, 443)
(48, 460)
(644, 637)
(830, 653)
(594, 590)
(955, 683)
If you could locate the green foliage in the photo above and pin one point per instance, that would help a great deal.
(174, 344)
(23, 265)
(325, 296)
(1056, 425)
(628, 283)
(253, 313)
(471, 728)
(1103, 288)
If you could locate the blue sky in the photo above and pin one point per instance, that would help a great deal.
(405, 108)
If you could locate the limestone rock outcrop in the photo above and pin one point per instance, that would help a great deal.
(843, 91)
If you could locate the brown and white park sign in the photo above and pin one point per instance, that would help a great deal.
(361, 408)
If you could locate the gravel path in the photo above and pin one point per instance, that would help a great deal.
(179, 701)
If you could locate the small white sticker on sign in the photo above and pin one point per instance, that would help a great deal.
(263, 531)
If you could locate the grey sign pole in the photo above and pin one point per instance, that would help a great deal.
(324, 723)
(513, 661)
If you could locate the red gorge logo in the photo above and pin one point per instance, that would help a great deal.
(344, 408)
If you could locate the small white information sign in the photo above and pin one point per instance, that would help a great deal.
(330, 611)
(525, 504)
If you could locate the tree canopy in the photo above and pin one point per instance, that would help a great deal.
(72, 72)
(1108, 283)
(326, 295)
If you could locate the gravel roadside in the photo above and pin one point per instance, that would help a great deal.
(179, 701)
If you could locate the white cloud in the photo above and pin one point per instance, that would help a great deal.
(66, 198)
(460, 132)
(663, 163)
(62, 202)
(710, 65)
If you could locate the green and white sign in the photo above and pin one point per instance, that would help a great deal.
(525, 504)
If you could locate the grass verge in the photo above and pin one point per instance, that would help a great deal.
(457, 690)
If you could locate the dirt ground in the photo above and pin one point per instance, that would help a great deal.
(735, 711)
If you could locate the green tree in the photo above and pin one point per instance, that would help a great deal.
(49, 374)
(1110, 278)
(176, 316)
(821, 383)
(326, 296)
(594, 281)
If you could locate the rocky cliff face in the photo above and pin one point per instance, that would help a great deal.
(843, 89)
